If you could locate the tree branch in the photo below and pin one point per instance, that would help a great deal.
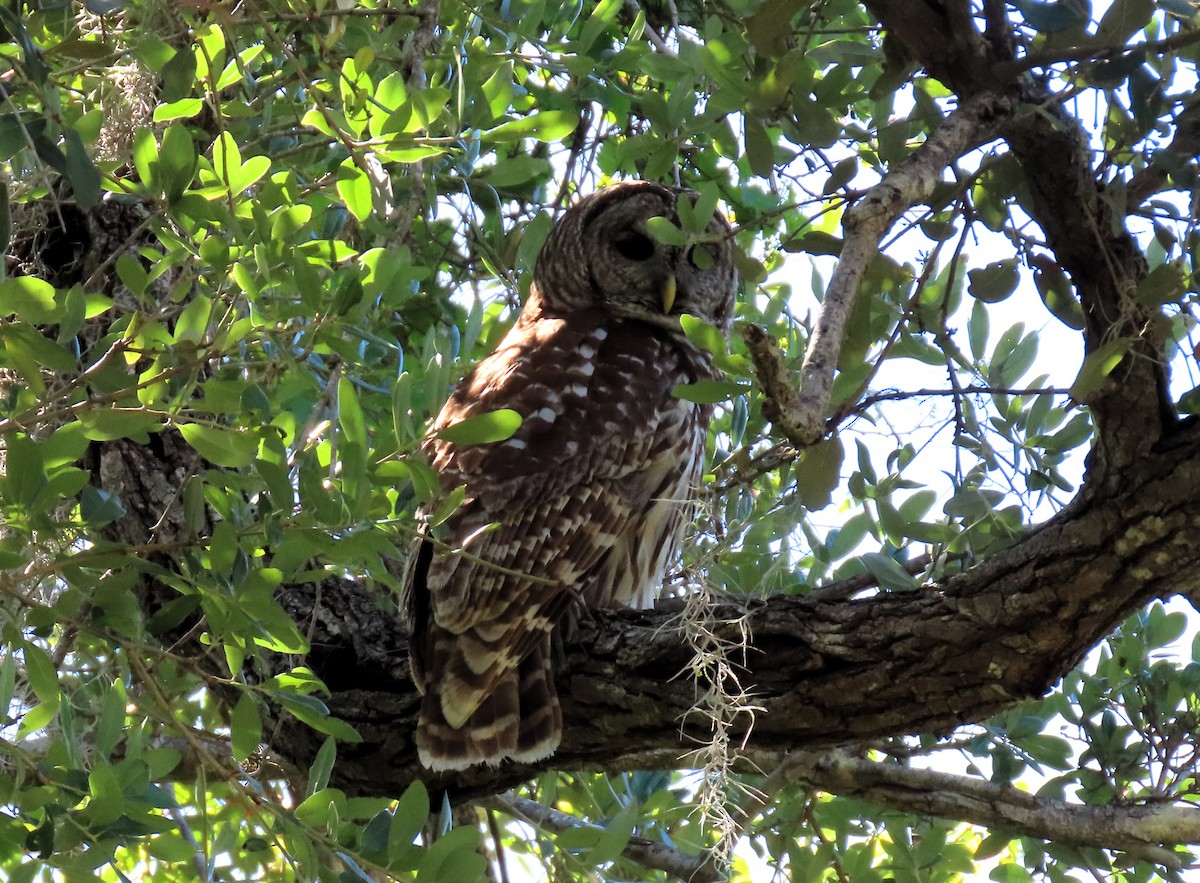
(1082, 225)
(824, 672)
(801, 417)
(1142, 831)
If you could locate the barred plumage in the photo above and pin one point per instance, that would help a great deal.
(586, 503)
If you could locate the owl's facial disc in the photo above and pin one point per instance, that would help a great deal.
(602, 254)
(643, 278)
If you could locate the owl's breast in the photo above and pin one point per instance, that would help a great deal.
(594, 393)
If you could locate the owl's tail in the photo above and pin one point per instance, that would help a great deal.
(519, 718)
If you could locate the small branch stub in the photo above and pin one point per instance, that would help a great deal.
(781, 403)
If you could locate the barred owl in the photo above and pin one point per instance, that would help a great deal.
(587, 501)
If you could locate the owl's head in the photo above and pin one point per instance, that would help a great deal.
(601, 254)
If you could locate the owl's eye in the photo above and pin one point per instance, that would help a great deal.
(634, 246)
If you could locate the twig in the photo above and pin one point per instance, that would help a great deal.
(199, 857)
(647, 853)
(892, 395)
(1058, 55)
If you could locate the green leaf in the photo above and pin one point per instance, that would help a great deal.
(760, 152)
(704, 334)
(131, 272)
(491, 426)
(1163, 628)
(1056, 292)
(178, 75)
(1097, 365)
(111, 725)
(995, 282)
(192, 324)
(374, 838)
(1010, 872)
(43, 678)
(177, 162)
(977, 330)
(1122, 20)
(226, 157)
(1009, 365)
(549, 125)
(665, 231)
(615, 837)
(36, 718)
(843, 173)
(224, 447)
(815, 242)
(31, 299)
(238, 175)
(81, 171)
(98, 506)
(106, 424)
(1052, 17)
(516, 170)
(322, 808)
(409, 818)
(28, 346)
(350, 414)
(889, 572)
(708, 392)
(706, 205)
(249, 174)
(183, 109)
(818, 473)
(245, 727)
(354, 187)
(448, 506)
(223, 549)
(5, 219)
(24, 873)
(424, 480)
(322, 766)
(575, 839)
(443, 862)
(26, 473)
(315, 713)
(1162, 285)
(145, 157)
(107, 800)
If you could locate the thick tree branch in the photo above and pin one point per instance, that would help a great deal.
(824, 672)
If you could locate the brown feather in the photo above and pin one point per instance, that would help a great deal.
(586, 502)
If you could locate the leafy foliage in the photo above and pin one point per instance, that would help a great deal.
(273, 235)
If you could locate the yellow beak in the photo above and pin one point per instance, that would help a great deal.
(668, 294)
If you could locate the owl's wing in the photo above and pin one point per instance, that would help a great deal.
(604, 453)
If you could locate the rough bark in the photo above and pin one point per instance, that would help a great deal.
(821, 672)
